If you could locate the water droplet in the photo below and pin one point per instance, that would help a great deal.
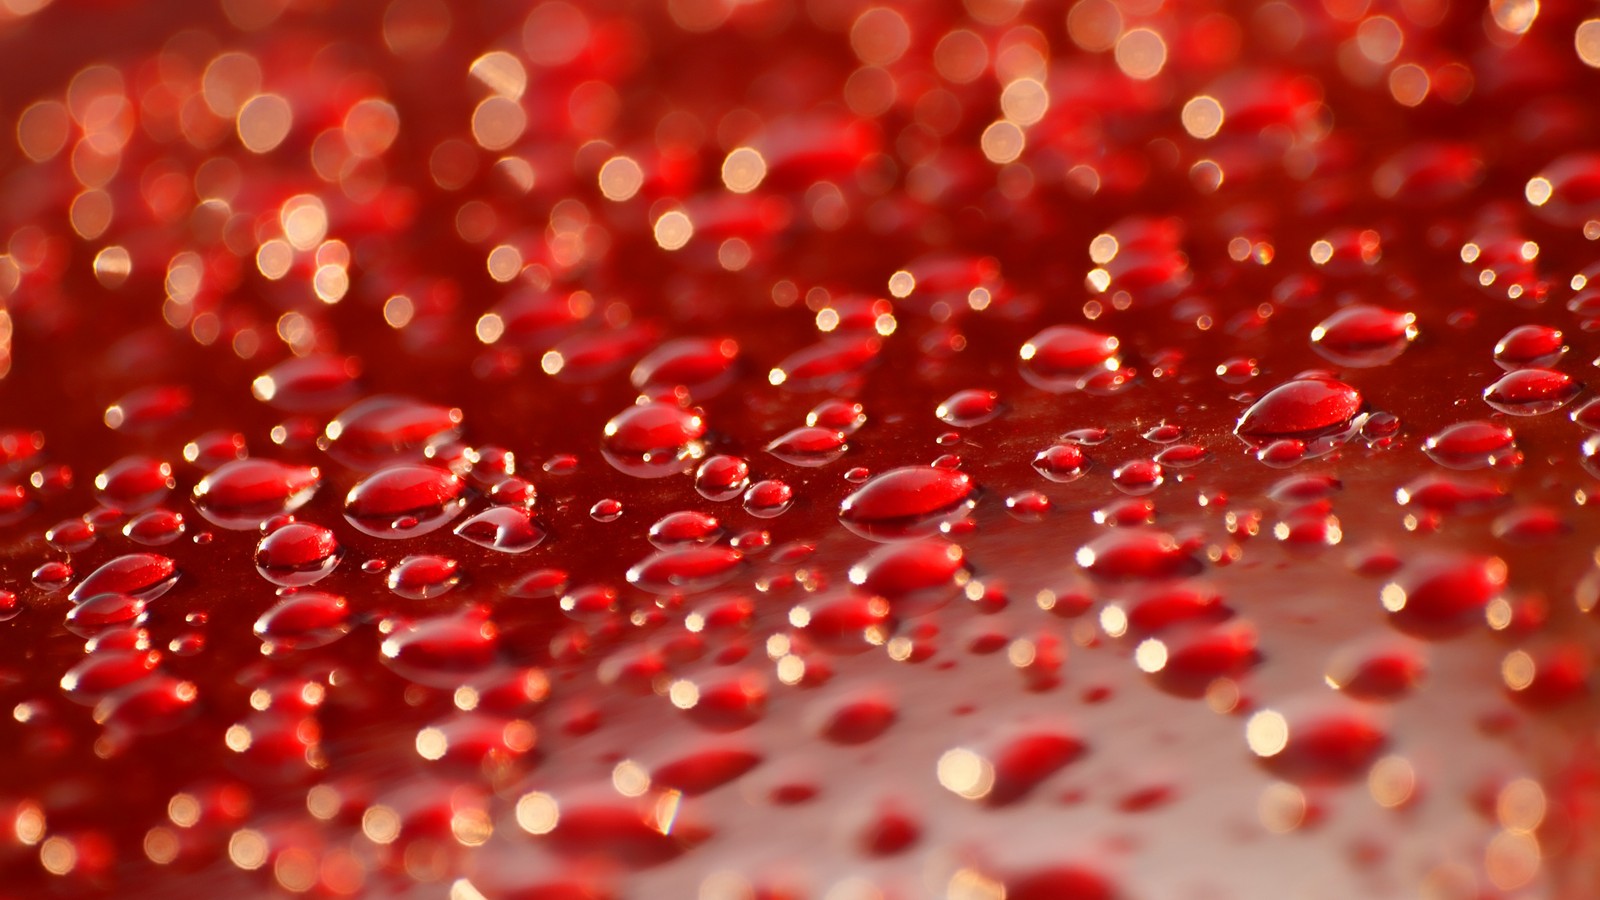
(134, 483)
(298, 553)
(839, 415)
(684, 528)
(1531, 392)
(387, 429)
(443, 651)
(1061, 462)
(308, 383)
(303, 620)
(71, 535)
(1137, 476)
(404, 501)
(423, 576)
(1062, 357)
(653, 440)
(969, 408)
(1137, 554)
(95, 614)
(1363, 336)
(907, 501)
(1303, 409)
(722, 477)
(1028, 506)
(51, 576)
(1529, 346)
(1181, 456)
(702, 366)
(831, 364)
(1443, 595)
(142, 575)
(242, 494)
(1470, 445)
(809, 446)
(1450, 496)
(685, 569)
(508, 529)
(106, 672)
(768, 499)
(606, 509)
(154, 527)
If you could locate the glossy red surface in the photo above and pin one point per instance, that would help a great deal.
(800, 448)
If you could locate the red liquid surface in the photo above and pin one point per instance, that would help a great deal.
(798, 449)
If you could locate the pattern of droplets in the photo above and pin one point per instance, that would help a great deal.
(825, 449)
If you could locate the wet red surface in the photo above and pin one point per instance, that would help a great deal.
(799, 449)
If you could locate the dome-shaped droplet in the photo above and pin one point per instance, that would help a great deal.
(686, 569)
(1059, 358)
(1304, 408)
(404, 501)
(509, 529)
(1470, 445)
(246, 492)
(1531, 392)
(134, 483)
(308, 383)
(722, 477)
(684, 528)
(142, 575)
(297, 554)
(703, 366)
(304, 619)
(1529, 346)
(1061, 462)
(652, 440)
(1363, 336)
(969, 408)
(386, 429)
(1443, 595)
(907, 501)
(1136, 554)
(831, 364)
(809, 446)
(443, 651)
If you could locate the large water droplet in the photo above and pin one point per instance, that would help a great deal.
(907, 501)
(405, 501)
(244, 493)
(1363, 336)
(1061, 357)
(1302, 409)
(386, 429)
(1531, 392)
(142, 575)
(298, 553)
(653, 440)
(509, 529)
(686, 569)
(809, 446)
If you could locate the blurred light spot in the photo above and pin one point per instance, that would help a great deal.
(1141, 54)
(1150, 656)
(620, 178)
(263, 122)
(1094, 25)
(960, 57)
(504, 262)
(112, 265)
(498, 122)
(1514, 16)
(1379, 39)
(965, 773)
(370, 127)
(380, 824)
(415, 27)
(880, 36)
(502, 73)
(1587, 41)
(537, 813)
(1202, 117)
(901, 284)
(161, 845)
(1025, 101)
(1538, 193)
(1521, 805)
(734, 254)
(630, 779)
(42, 130)
(673, 230)
(1392, 780)
(229, 81)
(743, 170)
(432, 744)
(58, 856)
(1512, 860)
(1281, 807)
(1321, 252)
(1409, 84)
(330, 283)
(1518, 670)
(247, 849)
(1003, 142)
(1267, 733)
(683, 694)
(397, 311)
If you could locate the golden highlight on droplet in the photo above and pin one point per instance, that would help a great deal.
(965, 773)
(673, 230)
(1518, 670)
(1002, 142)
(1141, 54)
(684, 694)
(380, 824)
(112, 265)
(630, 779)
(901, 284)
(743, 170)
(1150, 656)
